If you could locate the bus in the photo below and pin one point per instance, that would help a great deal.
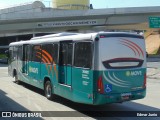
(90, 68)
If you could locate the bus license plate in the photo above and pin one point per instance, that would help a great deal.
(126, 96)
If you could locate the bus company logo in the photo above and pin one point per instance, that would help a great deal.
(33, 70)
(133, 73)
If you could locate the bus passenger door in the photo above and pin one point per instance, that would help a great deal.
(25, 59)
(65, 63)
(19, 60)
(10, 61)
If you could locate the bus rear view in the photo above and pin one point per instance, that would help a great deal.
(121, 67)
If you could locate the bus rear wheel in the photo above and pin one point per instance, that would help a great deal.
(48, 90)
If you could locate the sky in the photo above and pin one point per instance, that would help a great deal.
(123, 3)
(97, 4)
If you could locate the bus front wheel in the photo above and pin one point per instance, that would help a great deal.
(48, 90)
(16, 77)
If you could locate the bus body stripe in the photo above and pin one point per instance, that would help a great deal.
(135, 45)
(129, 47)
(44, 62)
(132, 46)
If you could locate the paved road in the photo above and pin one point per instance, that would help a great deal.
(23, 97)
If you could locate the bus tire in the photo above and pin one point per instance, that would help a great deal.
(16, 77)
(48, 90)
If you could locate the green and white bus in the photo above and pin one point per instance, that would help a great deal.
(91, 68)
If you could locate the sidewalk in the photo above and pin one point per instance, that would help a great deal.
(153, 72)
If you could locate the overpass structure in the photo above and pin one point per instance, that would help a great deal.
(33, 18)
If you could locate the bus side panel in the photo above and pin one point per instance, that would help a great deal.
(61, 89)
(34, 73)
(82, 85)
(49, 71)
(80, 89)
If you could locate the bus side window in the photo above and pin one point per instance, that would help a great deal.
(66, 53)
(83, 55)
(19, 55)
(55, 53)
(70, 48)
(15, 49)
(28, 53)
(36, 53)
(63, 54)
(10, 57)
(49, 53)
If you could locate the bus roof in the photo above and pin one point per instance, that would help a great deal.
(55, 35)
(66, 37)
(57, 38)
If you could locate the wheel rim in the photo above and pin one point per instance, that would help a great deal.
(48, 91)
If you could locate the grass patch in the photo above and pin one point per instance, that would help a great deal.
(3, 56)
